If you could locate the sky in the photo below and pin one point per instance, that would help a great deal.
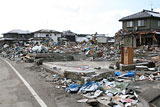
(79, 16)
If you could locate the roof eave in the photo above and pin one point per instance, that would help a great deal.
(137, 18)
(39, 31)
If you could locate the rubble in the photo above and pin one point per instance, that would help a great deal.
(92, 70)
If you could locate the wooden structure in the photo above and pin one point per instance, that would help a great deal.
(127, 55)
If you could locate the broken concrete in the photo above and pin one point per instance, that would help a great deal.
(127, 67)
(152, 96)
(78, 69)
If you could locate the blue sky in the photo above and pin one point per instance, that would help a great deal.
(80, 16)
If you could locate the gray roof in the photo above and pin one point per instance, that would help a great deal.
(46, 31)
(17, 31)
(68, 32)
(142, 14)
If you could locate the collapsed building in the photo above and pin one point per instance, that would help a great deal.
(71, 36)
(83, 68)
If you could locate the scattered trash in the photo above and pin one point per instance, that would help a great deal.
(95, 95)
(90, 86)
(142, 77)
(73, 88)
(128, 74)
(109, 90)
(117, 73)
(82, 101)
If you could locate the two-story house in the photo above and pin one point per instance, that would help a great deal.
(143, 27)
(46, 33)
(16, 36)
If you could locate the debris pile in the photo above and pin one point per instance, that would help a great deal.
(106, 92)
(77, 51)
(110, 90)
(97, 85)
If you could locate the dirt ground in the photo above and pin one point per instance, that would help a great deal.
(52, 96)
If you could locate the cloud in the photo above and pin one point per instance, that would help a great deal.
(157, 10)
(80, 16)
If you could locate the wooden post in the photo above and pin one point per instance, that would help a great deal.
(127, 54)
(122, 55)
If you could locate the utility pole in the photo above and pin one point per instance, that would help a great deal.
(151, 5)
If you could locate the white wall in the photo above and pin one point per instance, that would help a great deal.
(53, 36)
(40, 35)
(101, 39)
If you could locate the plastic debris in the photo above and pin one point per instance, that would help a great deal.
(73, 88)
(96, 94)
(82, 100)
(129, 74)
(142, 77)
(117, 73)
(88, 48)
(89, 87)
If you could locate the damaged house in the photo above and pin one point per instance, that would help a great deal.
(16, 35)
(69, 35)
(46, 33)
(142, 28)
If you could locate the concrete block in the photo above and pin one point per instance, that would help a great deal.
(79, 57)
(141, 68)
(127, 67)
(77, 74)
(150, 94)
(100, 76)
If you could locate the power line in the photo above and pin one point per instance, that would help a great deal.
(156, 6)
(153, 6)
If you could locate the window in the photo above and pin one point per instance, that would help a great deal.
(130, 24)
(141, 23)
(159, 23)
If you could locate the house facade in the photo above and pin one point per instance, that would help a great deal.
(71, 36)
(46, 33)
(16, 36)
(142, 28)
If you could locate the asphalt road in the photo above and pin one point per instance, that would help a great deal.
(15, 93)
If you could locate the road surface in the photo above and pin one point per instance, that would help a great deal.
(14, 92)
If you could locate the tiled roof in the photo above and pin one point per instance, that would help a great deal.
(68, 32)
(142, 14)
(17, 31)
(46, 31)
